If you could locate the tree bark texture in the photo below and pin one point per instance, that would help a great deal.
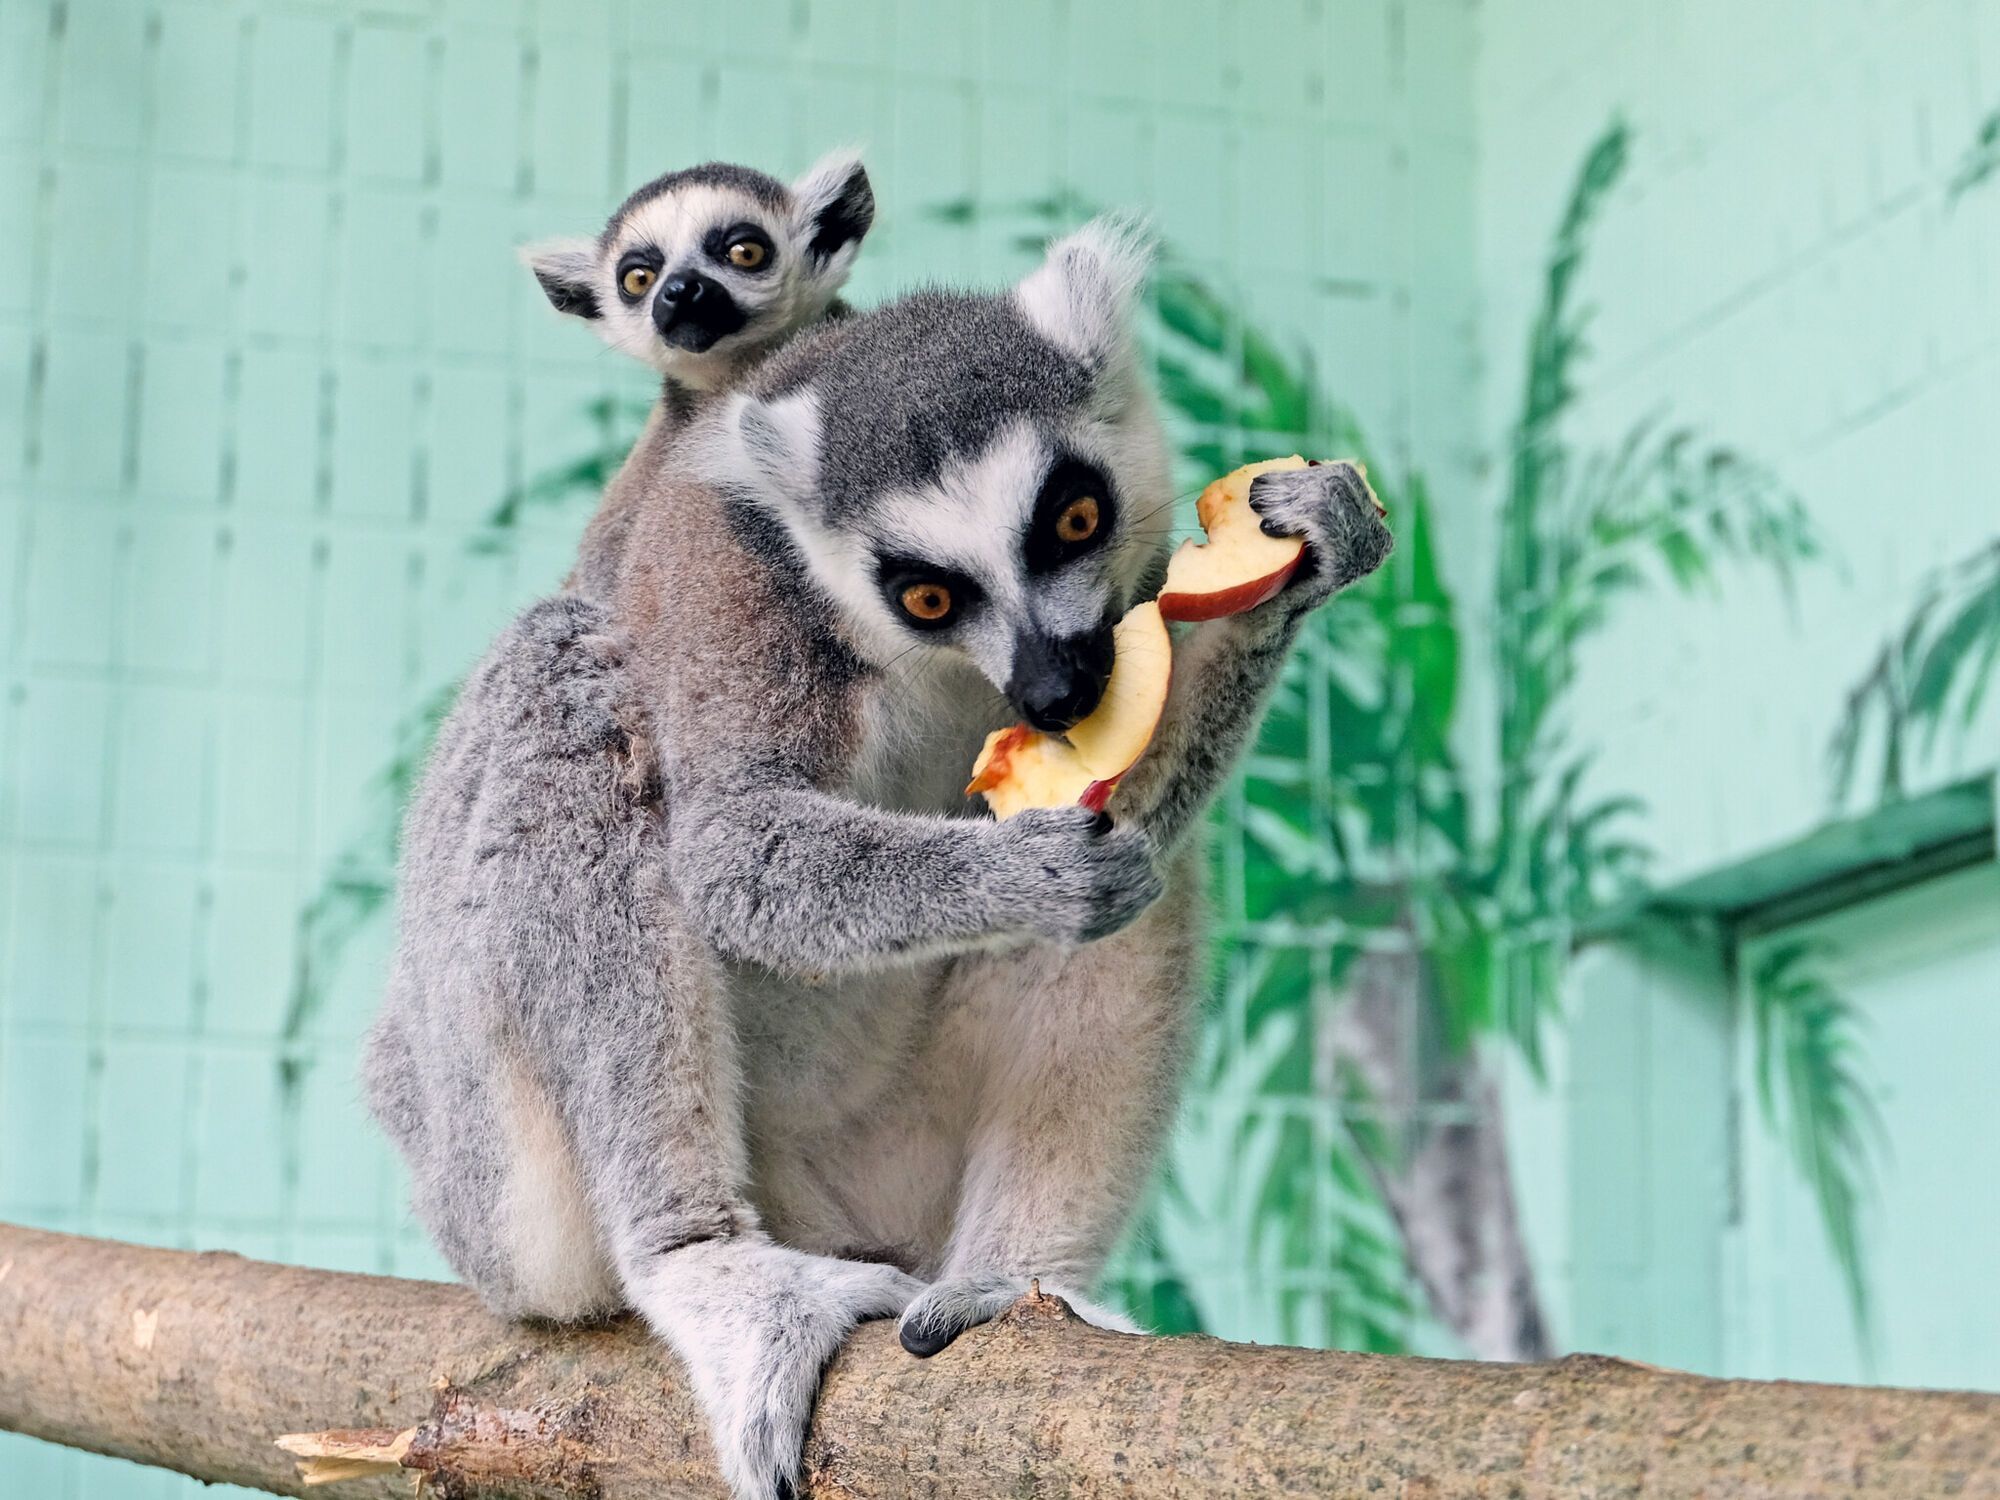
(198, 1362)
(1448, 1183)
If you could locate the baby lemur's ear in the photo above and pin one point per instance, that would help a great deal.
(835, 208)
(1081, 297)
(567, 270)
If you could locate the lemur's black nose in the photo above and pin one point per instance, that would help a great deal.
(1058, 680)
(687, 289)
(692, 311)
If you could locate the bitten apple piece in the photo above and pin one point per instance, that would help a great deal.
(1238, 567)
(1019, 767)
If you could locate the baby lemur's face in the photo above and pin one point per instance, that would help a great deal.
(978, 475)
(704, 269)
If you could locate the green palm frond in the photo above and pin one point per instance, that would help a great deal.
(1931, 676)
(361, 878)
(1934, 671)
(1342, 1254)
(1579, 530)
(1811, 1091)
(1981, 162)
(1146, 1281)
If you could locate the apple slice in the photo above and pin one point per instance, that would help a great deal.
(1238, 567)
(1019, 767)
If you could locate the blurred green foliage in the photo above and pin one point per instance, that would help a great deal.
(1811, 1091)
(1930, 678)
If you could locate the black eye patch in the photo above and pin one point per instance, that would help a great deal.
(1074, 514)
(923, 595)
(726, 246)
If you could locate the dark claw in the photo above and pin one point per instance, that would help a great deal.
(926, 1342)
(1273, 528)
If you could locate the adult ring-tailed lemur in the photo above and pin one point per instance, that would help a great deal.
(701, 273)
(714, 997)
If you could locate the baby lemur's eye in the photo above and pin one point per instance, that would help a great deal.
(929, 602)
(1077, 521)
(747, 254)
(636, 279)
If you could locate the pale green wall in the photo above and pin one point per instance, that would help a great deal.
(267, 364)
(1787, 266)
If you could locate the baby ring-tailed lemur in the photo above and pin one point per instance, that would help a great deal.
(701, 273)
(714, 997)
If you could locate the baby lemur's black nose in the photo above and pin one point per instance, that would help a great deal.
(1058, 680)
(682, 299)
(686, 289)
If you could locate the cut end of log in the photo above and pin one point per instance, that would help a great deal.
(348, 1453)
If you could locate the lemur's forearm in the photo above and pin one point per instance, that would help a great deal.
(1223, 675)
(1224, 671)
(809, 883)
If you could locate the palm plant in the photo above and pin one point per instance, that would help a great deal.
(1981, 161)
(1932, 674)
(1929, 678)
(1446, 922)
(1811, 1092)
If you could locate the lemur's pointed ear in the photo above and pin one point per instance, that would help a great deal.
(1081, 296)
(567, 270)
(836, 206)
(770, 447)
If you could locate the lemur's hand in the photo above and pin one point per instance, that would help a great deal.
(1331, 506)
(1077, 875)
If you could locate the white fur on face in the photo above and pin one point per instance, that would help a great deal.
(973, 520)
(792, 293)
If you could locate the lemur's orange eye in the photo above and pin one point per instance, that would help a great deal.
(1077, 521)
(637, 279)
(929, 602)
(747, 254)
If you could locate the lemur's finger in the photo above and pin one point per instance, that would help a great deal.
(1266, 489)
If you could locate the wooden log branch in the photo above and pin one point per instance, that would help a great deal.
(200, 1362)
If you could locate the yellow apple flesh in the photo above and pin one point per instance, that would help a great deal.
(1019, 767)
(1238, 567)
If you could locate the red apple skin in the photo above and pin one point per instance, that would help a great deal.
(1188, 608)
(1097, 794)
